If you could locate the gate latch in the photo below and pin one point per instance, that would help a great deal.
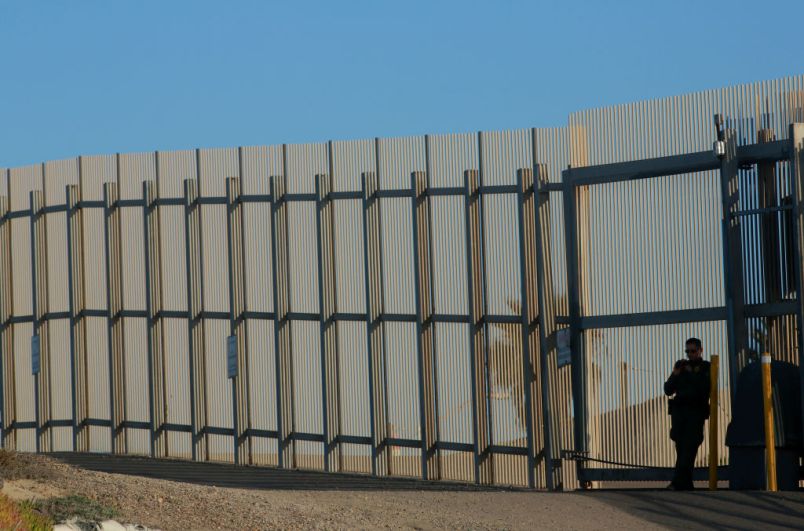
(719, 148)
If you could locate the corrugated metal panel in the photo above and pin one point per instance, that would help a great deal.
(170, 170)
(57, 175)
(21, 182)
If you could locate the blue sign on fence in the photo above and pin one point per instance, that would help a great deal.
(564, 356)
(35, 364)
(231, 356)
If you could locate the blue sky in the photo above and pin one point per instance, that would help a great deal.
(103, 76)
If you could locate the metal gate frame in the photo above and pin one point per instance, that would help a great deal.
(727, 157)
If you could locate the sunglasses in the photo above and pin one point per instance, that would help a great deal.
(691, 350)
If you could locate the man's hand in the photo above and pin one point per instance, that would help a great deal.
(679, 366)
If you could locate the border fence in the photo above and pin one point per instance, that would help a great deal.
(481, 307)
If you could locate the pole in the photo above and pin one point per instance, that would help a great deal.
(713, 408)
(770, 443)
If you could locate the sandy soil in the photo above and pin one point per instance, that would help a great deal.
(177, 506)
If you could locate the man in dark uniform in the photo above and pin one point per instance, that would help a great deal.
(689, 409)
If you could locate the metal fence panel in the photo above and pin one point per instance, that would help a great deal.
(646, 246)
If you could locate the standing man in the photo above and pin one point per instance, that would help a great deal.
(689, 409)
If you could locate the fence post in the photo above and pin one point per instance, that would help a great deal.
(538, 318)
(476, 295)
(241, 403)
(578, 357)
(714, 443)
(424, 323)
(78, 323)
(732, 254)
(154, 307)
(325, 227)
(546, 314)
(375, 328)
(282, 332)
(196, 327)
(39, 298)
(115, 324)
(770, 435)
(7, 381)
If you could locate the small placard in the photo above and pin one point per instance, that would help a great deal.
(564, 356)
(231, 356)
(35, 355)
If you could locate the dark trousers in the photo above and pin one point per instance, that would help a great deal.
(687, 432)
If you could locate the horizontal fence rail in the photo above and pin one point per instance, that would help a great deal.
(392, 306)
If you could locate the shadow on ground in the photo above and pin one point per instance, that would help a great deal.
(251, 477)
(708, 510)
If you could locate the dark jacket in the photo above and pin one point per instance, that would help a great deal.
(690, 387)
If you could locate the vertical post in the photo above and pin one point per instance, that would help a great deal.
(476, 294)
(424, 323)
(537, 297)
(78, 321)
(546, 315)
(36, 319)
(325, 226)
(769, 243)
(375, 328)
(714, 444)
(114, 320)
(732, 255)
(578, 359)
(241, 402)
(154, 307)
(7, 380)
(39, 298)
(195, 324)
(529, 305)
(770, 436)
(282, 332)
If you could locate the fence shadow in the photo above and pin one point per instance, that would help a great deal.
(253, 477)
(708, 510)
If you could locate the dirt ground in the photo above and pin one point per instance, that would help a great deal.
(173, 505)
(291, 500)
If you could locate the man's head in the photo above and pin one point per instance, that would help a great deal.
(693, 349)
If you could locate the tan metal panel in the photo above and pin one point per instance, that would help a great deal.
(354, 395)
(9, 412)
(258, 165)
(21, 182)
(302, 164)
(348, 161)
(59, 174)
(170, 171)
(215, 165)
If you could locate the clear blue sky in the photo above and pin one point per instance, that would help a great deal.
(103, 76)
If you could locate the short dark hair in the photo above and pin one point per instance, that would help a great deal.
(694, 341)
